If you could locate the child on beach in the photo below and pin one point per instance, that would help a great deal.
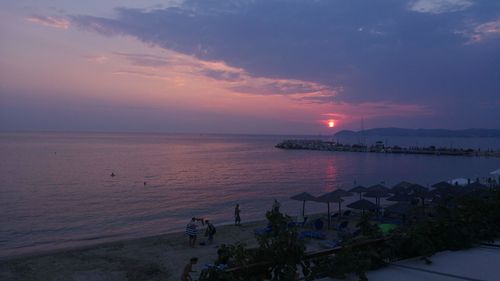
(237, 219)
(188, 269)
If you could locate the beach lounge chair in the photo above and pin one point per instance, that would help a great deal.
(357, 232)
(347, 213)
(334, 216)
(211, 265)
(328, 244)
(312, 234)
(301, 221)
(341, 226)
(318, 224)
(262, 231)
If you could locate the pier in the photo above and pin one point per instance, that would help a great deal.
(379, 147)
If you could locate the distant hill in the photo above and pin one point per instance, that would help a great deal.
(440, 133)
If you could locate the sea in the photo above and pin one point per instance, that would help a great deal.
(57, 192)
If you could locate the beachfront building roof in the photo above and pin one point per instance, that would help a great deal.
(459, 181)
(479, 263)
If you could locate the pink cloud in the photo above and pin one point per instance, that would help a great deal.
(480, 32)
(233, 79)
(57, 22)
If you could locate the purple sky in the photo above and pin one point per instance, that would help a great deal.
(241, 66)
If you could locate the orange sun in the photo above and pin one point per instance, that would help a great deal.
(331, 124)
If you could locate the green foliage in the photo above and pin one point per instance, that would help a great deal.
(279, 255)
(282, 247)
(368, 229)
(469, 219)
(458, 222)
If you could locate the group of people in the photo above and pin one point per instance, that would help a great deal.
(192, 227)
(192, 231)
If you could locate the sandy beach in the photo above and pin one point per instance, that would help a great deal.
(152, 258)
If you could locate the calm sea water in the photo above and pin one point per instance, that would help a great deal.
(56, 190)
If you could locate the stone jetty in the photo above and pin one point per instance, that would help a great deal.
(379, 147)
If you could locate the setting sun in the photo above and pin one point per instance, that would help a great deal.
(331, 124)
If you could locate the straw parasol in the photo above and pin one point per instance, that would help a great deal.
(334, 196)
(400, 197)
(328, 198)
(417, 188)
(442, 184)
(304, 196)
(358, 189)
(340, 193)
(363, 204)
(476, 186)
(377, 191)
(401, 187)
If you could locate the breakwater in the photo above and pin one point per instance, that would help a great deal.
(379, 147)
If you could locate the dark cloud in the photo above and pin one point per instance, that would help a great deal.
(401, 51)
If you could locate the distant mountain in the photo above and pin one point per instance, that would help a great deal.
(440, 133)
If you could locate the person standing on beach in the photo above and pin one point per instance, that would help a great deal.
(210, 232)
(276, 206)
(191, 231)
(188, 269)
(237, 218)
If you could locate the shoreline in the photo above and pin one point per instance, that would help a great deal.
(164, 255)
(62, 250)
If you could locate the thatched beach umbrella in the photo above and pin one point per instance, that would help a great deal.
(328, 198)
(442, 184)
(400, 197)
(378, 188)
(417, 188)
(363, 205)
(358, 189)
(377, 191)
(401, 187)
(444, 189)
(476, 186)
(304, 196)
(340, 193)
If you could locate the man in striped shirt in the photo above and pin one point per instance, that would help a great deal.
(191, 231)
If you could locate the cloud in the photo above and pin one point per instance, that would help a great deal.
(480, 32)
(100, 59)
(440, 6)
(231, 78)
(371, 110)
(145, 59)
(52, 21)
(323, 51)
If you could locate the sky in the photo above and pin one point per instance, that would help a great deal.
(248, 66)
